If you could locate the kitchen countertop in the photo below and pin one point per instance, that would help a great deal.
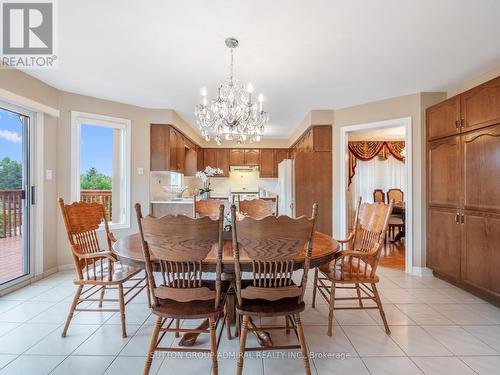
(175, 201)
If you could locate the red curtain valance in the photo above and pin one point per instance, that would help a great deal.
(367, 150)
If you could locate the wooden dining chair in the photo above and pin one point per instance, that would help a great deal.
(272, 243)
(356, 267)
(378, 196)
(177, 246)
(395, 221)
(97, 269)
(207, 207)
(258, 208)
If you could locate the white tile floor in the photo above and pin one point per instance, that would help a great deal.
(436, 329)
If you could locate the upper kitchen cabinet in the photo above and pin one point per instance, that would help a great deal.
(252, 156)
(159, 151)
(237, 156)
(443, 119)
(322, 138)
(171, 150)
(217, 158)
(267, 162)
(481, 105)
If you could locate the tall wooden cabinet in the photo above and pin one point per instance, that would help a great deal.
(313, 175)
(463, 189)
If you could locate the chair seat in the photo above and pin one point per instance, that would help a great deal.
(351, 273)
(169, 308)
(395, 220)
(121, 273)
(262, 307)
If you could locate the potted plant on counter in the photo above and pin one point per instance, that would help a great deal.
(204, 176)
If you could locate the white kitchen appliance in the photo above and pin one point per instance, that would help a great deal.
(286, 184)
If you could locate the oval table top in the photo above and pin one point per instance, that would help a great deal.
(129, 251)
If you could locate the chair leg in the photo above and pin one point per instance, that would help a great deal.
(287, 322)
(152, 345)
(177, 326)
(103, 290)
(213, 346)
(380, 308)
(122, 309)
(330, 309)
(303, 345)
(148, 292)
(72, 310)
(315, 285)
(243, 340)
(228, 327)
(237, 324)
(358, 291)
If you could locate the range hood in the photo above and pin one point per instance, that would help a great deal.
(243, 168)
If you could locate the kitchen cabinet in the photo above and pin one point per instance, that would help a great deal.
(443, 119)
(463, 190)
(252, 156)
(443, 172)
(281, 154)
(173, 150)
(217, 158)
(159, 154)
(181, 153)
(480, 106)
(268, 163)
(237, 156)
(200, 161)
(443, 242)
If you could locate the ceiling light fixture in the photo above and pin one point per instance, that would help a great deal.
(232, 115)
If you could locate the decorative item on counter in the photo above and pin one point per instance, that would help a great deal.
(204, 176)
(174, 191)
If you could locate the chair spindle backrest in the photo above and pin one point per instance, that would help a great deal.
(179, 245)
(395, 195)
(207, 207)
(378, 196)
(272, 244)
(258, 208)
(370, 227)
(82, 220)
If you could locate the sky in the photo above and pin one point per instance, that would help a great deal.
(10, 135)
(96, 148)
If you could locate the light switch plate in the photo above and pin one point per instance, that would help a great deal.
(48, 174)
(140, 171)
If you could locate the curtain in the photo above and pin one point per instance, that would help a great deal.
(367, 150)
(376, 173)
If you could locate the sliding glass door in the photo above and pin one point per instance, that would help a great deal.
(14, 195)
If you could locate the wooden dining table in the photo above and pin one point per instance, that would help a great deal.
(324, 249)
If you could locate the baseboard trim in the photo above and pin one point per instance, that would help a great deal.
(421, 271)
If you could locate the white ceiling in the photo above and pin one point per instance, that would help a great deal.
(302, 55)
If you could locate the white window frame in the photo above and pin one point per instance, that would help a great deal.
(82, 118)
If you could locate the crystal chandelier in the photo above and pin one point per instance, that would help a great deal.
(232, 115)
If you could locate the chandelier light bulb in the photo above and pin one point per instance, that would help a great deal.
(257, 138)
(203, 91)
(250, 88)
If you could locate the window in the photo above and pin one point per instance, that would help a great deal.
(100, 164)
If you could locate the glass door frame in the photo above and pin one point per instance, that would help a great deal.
(28, 213)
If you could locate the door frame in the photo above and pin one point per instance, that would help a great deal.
(34, 239)
(343, 155)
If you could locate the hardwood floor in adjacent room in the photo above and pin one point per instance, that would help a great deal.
(393, 256)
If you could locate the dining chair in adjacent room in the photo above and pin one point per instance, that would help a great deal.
(258, 208)
(395, 221)
(274, 245)
(177, 247)
(97, 269)
(378, 196)
(356, 267)
(207, 207)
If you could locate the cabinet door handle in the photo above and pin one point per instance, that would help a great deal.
(457, 218)
(462, 123)
(457, 124)
(462, 219)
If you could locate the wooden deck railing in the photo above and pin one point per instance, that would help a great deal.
(100, 196)
(11, 208)
(11, 213)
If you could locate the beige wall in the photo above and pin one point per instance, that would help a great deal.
(412, 106)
